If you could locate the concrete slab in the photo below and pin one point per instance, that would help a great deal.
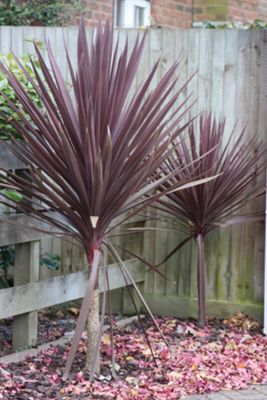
(217, 396)
(261, 389)
(249, 394)
(196, 397)
(255, 392)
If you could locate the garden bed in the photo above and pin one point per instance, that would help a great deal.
(226, 355)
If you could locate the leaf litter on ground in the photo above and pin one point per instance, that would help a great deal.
(225, 355)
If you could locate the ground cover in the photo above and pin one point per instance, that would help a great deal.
(225, 355)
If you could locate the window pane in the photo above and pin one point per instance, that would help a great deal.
(118, 13)
(139, 14)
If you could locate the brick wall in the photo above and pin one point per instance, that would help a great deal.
(178, 13)
(213, 10)
(247, 10)
(171, 13)
(263, 9)
(98, 9)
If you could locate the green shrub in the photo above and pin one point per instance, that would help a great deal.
(256, 24)
(7, 260)
(39, 12)
(7, 93)
(7, 257)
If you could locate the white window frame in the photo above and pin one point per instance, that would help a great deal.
(128, 12)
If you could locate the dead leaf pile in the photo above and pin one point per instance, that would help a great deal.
(241, 320)
(218, 357)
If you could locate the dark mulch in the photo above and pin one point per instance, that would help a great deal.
(53, 324)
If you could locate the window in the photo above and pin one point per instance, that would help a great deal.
(131, 13)
(139, 16)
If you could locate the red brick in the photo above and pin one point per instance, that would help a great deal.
(178, 13)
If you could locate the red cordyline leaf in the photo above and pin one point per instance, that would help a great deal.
(238, 165)
(92, 154)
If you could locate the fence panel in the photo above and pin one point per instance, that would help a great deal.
(230, 67)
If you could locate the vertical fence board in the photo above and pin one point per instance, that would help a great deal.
(46, 247)
(206, 60)
(222, 274)
(184, 278)
(230, 78)
(193, 64)
(25, 326)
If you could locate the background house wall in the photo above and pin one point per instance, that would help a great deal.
(184, 13)
(247, 10)
(99, 9)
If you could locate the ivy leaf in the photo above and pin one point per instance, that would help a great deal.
(12, 195)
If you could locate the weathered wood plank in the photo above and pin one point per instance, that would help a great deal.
(5, 39)
(193, 269)
(230, 79)
(181, 52)
(210, 246)
(45, 247)
(8, 160)
(188, 307)
(185, 269)
(173, 265)
(17, 39)
(216, 82)
(25, 326)
(193, 65)
(262, 111)
(38, 295)
(222, 274)
(17, 230)
(205, 64)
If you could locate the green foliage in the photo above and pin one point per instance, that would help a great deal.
(39, 12)
(256, 24)
(12, 195)
(50, 260)
(7, 93)
(7, 258)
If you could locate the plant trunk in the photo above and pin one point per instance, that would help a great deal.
(83, 316)
(201, 275)
(93, 327)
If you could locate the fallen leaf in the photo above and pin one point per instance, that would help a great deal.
(75, 311)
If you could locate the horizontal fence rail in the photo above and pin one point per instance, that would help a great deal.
(37, 295)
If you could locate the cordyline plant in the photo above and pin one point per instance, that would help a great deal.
(237, 163)
(91, 155)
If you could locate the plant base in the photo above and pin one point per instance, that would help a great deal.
(93, 326)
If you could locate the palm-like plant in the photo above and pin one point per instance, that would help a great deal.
(91, 155)
(198, 210)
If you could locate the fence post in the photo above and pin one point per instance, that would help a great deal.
(25, 326)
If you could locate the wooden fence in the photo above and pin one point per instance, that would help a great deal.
(231, 79)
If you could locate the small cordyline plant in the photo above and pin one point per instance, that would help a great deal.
(91, 155)
(238, 164)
